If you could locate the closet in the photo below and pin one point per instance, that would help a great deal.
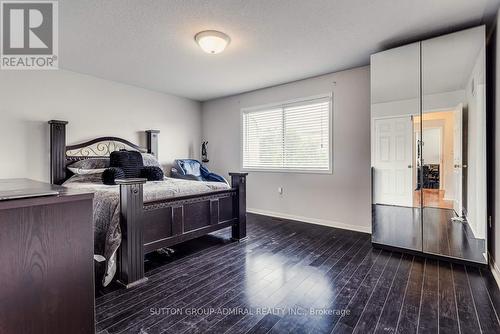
(428, 146)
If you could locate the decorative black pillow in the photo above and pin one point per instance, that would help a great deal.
(152, 173)
(129, 161)
(111, 174)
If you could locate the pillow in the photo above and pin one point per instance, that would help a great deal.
(81, 171)
(129, 161)
(191, 167)
(150, 160)
(89, 166)
(111, 174)
(152, 173)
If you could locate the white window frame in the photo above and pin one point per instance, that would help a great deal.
(280, 104)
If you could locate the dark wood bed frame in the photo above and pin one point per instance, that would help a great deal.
(150, 226)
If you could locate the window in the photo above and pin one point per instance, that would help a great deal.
(290, 136)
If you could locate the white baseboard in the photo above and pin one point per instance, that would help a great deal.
(364, 229)
(494, 269)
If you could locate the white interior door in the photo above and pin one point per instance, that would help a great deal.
(392, 161)
(457, 160)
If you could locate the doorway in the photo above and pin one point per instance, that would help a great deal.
(437, 180)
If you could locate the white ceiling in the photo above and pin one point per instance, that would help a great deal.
(149, 43)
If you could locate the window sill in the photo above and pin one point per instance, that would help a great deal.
(288, 171)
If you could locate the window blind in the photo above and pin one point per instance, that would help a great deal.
(289, 136)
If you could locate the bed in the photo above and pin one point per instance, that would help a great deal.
(136, 217)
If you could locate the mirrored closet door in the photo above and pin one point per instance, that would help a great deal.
(428, 122)
(395, 98)
(454, 145)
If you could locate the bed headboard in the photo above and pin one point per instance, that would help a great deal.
(62, 155)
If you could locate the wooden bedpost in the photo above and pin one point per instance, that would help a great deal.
(152, 142)
(57, 151)
(131, 252)
(238, 181)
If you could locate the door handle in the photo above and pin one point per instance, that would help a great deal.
(410, 166)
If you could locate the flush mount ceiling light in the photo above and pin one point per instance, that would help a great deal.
(212, 41)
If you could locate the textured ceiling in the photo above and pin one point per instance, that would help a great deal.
(149, 43)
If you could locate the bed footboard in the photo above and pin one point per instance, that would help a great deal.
(130, 264)
(238, 182)
(146, 227)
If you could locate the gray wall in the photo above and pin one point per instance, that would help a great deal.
(93, 107)
(339, 199)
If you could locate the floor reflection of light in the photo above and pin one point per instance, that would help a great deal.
(322, 291)
(269, 278)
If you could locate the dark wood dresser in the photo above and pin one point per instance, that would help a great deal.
(46, 260)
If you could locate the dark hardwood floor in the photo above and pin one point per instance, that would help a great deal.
(444, 236)
(291, 277)
(397, 226)
(401, 227)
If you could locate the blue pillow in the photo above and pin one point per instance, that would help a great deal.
(192, 167)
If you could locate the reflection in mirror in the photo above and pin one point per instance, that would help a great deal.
(395, 98)
(452, 177)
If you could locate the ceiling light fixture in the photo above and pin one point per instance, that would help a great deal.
(212, 41)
